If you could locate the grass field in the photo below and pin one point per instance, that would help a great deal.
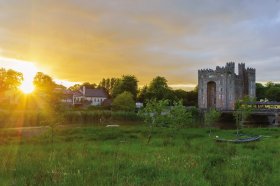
(121, 156)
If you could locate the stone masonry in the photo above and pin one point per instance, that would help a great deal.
(222, 87)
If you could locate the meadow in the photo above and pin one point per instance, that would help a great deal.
(96, 155)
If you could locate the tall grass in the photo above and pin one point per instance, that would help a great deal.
(39, 118)
(22, 118)
(120, 156)
(100, 116)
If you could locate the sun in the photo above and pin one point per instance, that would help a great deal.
(29, 72)
(27, 68)
(27, 87)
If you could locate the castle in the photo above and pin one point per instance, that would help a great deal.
(221, 88)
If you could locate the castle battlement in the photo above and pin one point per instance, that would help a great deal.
(251, 70)
(222, 87)
(205, 71)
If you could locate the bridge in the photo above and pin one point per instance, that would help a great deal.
(269, 109)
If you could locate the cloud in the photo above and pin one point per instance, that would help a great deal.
(88, 40)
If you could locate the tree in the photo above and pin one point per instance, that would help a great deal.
(108, 84)
(242, 111)
(89, 85)
(10, 79)
(75, 87)
(124, 102)
(43, 83)
(158, 89)
(273, 93)
(127, 83)
(143, 94)
(210, 118)
(260, 91)
(160, 114)
(153, 114)
(179, 116)
(45, 90)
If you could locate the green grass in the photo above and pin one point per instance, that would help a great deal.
(121, 156)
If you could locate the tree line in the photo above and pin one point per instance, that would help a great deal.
(157, 89)
(270, 91)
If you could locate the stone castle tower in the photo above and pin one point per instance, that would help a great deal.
(221, 88)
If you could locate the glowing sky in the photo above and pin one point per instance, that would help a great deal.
(87, 40)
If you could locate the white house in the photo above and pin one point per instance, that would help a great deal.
(89, 96)
(67, 97)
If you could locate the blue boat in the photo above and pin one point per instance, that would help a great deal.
(242, 140)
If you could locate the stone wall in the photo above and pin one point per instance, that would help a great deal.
(229, 86)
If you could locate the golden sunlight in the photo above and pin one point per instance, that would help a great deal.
(27, 87)
(28, 69)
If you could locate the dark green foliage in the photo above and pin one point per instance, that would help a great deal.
(270, 91)
(128, 83)
(260, 91)
(159, 89)
(189, 98)
(109, 84)
(273, 93)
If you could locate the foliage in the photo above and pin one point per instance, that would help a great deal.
(242, 112)
(189, 98)
(260, 91)
(124, 102)
(270, 91)
(10, 79)
(158, 89)
(43, 83)
(155, 112)
(210, 117)
(143, 94)
(77, 87)
(47, 93)
(273, 93)
(159, 113)
(128, 83)
(108, 84)
(180, 116)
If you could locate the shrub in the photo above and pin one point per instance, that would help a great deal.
(124, 102)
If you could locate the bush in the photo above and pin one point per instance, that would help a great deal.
(159, 113)
(124, 102)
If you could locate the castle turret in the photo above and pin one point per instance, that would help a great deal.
(230, 67)
(221, 88)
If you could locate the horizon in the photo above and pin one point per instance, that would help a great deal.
(29, 69)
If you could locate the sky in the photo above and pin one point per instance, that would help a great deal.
(87, 40)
